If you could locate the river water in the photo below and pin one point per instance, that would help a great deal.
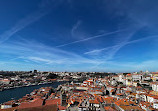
(17, 93)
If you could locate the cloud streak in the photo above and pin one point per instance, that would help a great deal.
(74, 28)
(39, 59)
(90, 38)
(28, 20)
(40, 53)
(118, 45)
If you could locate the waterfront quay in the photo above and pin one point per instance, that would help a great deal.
(17, 93)
(16, 79)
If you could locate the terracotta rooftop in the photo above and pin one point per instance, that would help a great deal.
(53, 101)
(41, 108)
(109, 108)
(129, 108)
(62, 107)
(35, 103)
(95, 101)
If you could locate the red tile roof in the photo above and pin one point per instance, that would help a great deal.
(108, 108)
(53, 101)
(95, 101)
(62, 107)
(35, 103)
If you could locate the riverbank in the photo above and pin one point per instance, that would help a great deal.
(19, 92)
(28, 85)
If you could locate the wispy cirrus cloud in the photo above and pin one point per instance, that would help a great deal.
(90, 38)
(94, 52)
(40, 53)
(107, 54)
(43, 10)
(39, 59)
(75, 27)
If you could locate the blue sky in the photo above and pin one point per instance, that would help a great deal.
(79, 35)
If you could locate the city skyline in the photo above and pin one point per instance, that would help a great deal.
(69, 35)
